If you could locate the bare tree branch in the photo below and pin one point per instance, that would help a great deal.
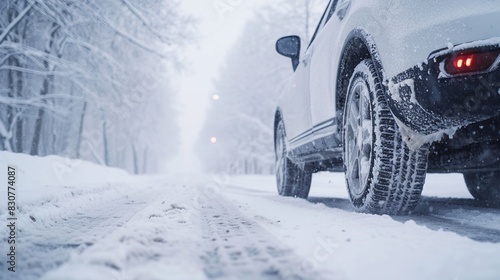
(13, 24)
(144, 22)
(134, 40)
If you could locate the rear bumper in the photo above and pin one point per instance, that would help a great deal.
(428, 101)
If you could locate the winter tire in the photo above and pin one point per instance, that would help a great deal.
(484, 186)
(291, 179)
(383, 175)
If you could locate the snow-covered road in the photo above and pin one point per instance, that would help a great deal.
(220, 227)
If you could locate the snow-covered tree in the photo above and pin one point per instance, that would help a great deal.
(90, 79)
(249, 85)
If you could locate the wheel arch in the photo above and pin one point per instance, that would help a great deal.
(358, 46)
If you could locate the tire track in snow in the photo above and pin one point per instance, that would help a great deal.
(238, 248)
(53, 243)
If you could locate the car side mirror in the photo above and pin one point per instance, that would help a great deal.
(289, 46)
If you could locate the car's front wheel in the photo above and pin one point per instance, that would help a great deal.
(383, 175)
(292, 179)
(484, 186)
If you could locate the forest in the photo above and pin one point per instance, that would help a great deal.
(91, 79)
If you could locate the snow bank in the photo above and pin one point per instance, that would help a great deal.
(54, 170)
(40, 178)
(45, 185)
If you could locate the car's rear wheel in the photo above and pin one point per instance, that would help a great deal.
(383, 175)
(484, 186)
(291, 179)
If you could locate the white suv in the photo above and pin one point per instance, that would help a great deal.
(389, 90)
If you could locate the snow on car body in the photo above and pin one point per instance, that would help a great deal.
(424, 71)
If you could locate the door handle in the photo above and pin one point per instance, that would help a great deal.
(342, 9)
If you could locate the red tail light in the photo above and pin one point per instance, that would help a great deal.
(471, 62)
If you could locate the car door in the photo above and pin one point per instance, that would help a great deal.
(298, 110)
(323, 69)
(296, 106)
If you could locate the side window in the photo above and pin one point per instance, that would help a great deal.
(331, 11)
(327, 15)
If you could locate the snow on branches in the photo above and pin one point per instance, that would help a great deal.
(90, 79)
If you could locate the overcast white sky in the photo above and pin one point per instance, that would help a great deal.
(220, 24)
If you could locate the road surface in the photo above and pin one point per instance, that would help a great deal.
(220, 227)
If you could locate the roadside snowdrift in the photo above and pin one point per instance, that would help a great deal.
(36, 176)
(49, 181)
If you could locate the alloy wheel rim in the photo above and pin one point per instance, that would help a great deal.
(359, 138)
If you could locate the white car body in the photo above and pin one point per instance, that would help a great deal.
(401, 34)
